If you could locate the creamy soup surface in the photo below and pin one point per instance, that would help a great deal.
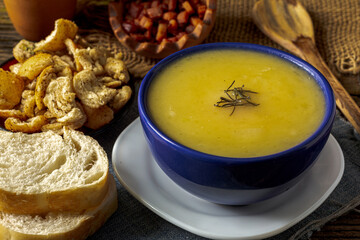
(181, 102)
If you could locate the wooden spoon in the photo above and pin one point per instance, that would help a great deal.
(288, 23)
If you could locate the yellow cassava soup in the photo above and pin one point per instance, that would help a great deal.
(182, 101)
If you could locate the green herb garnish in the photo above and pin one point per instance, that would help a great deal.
(236, 97)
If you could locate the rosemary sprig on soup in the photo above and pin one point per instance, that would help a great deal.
(181, 103)
(237, 96)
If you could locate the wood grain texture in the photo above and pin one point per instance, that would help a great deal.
(8, 36)
(345, 227)
(289, 24)
(344, 101)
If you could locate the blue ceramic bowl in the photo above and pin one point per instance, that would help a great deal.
(235, 181)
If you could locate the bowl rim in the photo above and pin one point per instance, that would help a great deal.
(312, 71)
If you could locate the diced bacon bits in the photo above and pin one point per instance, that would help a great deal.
(183, 18)
(169, 15)
(187, 7)
(154, 12)
(173, 27)
(162, 21)
(146, 23)
(161, 32)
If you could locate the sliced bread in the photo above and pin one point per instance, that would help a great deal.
(59, 226)
(45, 172)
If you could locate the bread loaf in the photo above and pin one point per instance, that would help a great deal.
(59, 226)
(44, 172)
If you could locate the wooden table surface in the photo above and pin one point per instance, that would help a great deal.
(345, 227)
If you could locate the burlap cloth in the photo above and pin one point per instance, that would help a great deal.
(335, 22)
(338, 38)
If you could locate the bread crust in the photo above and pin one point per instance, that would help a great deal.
(91, 221)
(76, 198)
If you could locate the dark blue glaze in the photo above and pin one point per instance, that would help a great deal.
(235, 181)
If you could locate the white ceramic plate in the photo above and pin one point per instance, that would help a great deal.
(142, 177)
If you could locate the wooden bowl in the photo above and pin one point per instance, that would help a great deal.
(163, 49)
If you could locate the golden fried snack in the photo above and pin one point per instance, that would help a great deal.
(15, 68)
(11, 87)
(67, 59)
(23, 50)
(70, 46)
(33, 66)
(55, 127)
(98, 117)
(42, 83)
(59, 97)
(121, 98)
(110, 82)
(75, 118)
(90, 91)
(38, 112)
(65, 72)
(62, 63)
(117, 69)
(56, 40)
(31, 125)
(62, 81)
(12, 113)
(93, 59)
(27, 105)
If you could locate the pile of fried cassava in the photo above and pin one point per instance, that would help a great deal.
(61, 81)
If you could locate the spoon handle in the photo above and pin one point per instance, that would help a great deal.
(344, 101)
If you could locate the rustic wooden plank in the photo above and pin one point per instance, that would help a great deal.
(6, 26)
(337, 235)
(8, 36)
(346, 227)
(341, 227)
